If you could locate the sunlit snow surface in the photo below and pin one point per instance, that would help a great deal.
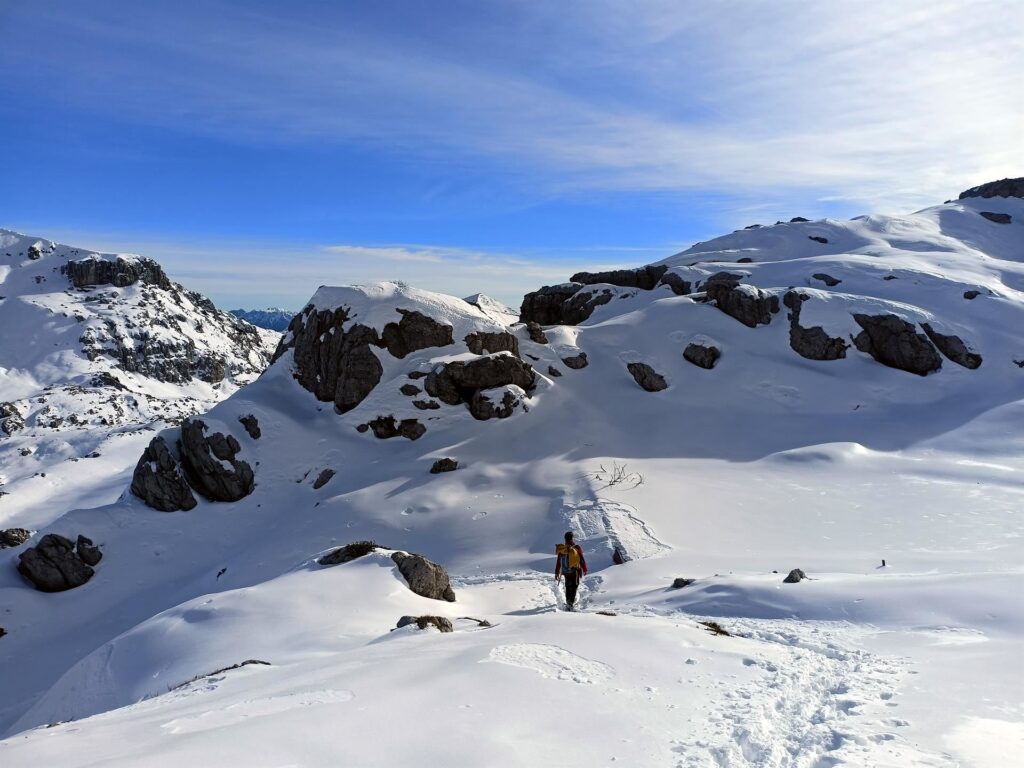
(767, 462)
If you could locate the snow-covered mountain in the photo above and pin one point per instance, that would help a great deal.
(273, 319)
(96, 350)
(842, 397)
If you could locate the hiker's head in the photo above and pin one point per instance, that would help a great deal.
(568, 537)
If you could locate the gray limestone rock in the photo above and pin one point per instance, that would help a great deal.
(1001, 188)
(953, 348)
(119, 272)
(482, 342)
(53, 565)
(158, 479)
(811, 343)
(647, 377)
(896, 343)
(794, 576)
(252, 426)
(422, 622)
(444, 465)
(544, 306)
(425, 578)
(750, 305)
(14, 537)
(323, 479)
(386, 427)
(537, 335)
(701, 355)
(576, 362)
(203, 459)
(644, 278)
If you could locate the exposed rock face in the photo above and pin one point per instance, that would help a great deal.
(409, 390)
(14, 537)
(679, 286)
(158, 479)
(681, 582)
(969, 295)
(1001, 188)
(120, 272)
(444, 465)
(340, 366)
(828, 280)
(811, 343)
(425, 578)
(481, 342)
(10, 419)
(794, 576)
(203, 458)
(896, 343)
(458, 381)
(537, 335)
(818, 238)
(88, 552)
(798, 220)
(552, 371)
(323, 479)
(413, 332)
(581, 306)
(54, 565)
(702, 355)
(998, 218)
(426, 405)
(252, 426)
(422, 622)
(497, 403)
(644, 278)
(544, 306)
(347, 553)
(750, 305)
(386, 427)
(647, 377)
(953, 348)
(576, 362)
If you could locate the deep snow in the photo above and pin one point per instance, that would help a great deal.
(767, 462)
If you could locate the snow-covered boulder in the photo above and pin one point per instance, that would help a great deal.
(425, 578)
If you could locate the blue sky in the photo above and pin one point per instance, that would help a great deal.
(259, 149)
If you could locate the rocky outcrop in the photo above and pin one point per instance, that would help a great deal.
(14, 537)
(413, 332)
(679, 286)
(953, 348)
(896, 343)
(338, 365)
(426, 405)
(997, 218)
(323, 479)
(11, 419)
(970, 295)
(386, 427)
(1001, 188)
(251, 425)
(794, 576)
(576, 362)
(818, 239)
(681, 582)
(811, 343)
(828, 280)
(537, 335)
(56, 564)
(702, 355)
(120, 272)
(644, 278)
(552, 371)
(203, 459)
(460, 380)
(750, 305)
(497, 403)
(647, 377)
(544, 306)
(444, 465)
(409, 390)
(348, 553)
(424, 577)
(159, 481)
(482, 342)
(581, 306)
(422, 622)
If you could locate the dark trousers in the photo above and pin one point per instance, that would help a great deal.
(572, 583)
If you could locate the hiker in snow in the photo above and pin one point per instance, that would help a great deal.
(569, 562)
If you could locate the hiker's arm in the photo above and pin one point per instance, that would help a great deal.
(558, 565)
(583, 561)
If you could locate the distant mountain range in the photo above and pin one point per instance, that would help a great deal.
(273, 319)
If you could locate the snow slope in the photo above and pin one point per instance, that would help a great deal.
(88, 371)
(730, 476)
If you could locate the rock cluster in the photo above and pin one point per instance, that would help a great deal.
(496, 403)
(811, 343)
(750, 305)
(482, 342)
(386, 427)
(158, 479)
(425, 578)
(1001, 188)
(679, 286)
(461, 381)
(57, 564)
(644, 278)
(422, 622)
(896, 343)
(10, 419)
(120, 272)
(14, 537)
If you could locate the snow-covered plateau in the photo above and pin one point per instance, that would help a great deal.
(841, 397)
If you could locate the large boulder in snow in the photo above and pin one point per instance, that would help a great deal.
(348, 553)
(386, 427)
(413, 332)
(679, 286)
(425, 578)
(703, 355)
(750, 305)
(537, 335)
(458, 381)
(54, 565)
(812, 343)
(544, 306)
(582, 304)
(645, 278)
(997, 218)
(577, 362)
(896, 343)
(647, 377)
(119, 272)
(482, 342)
(1001, 188)
(206, 460)
(953, 347)
(14, 537)
(497, 403)
(440, 623)
(158, 479)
